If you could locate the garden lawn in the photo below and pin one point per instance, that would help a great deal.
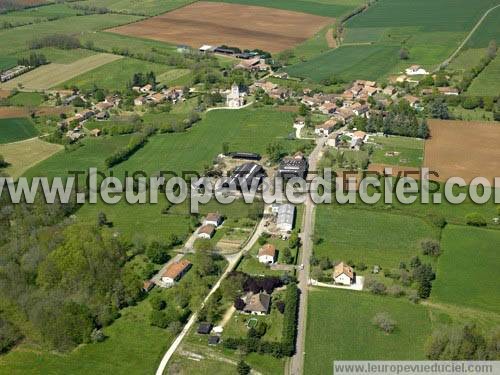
(16, 129)
(374, 238)
(411, 151)
(339, 327)
(469, 268)
(114, 75)
(487, 83)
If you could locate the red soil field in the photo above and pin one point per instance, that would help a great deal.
(236, 25)
(464, 149)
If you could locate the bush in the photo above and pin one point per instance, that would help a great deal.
(471, 102)
(430, 247)
(375, 287)
(290, 319)
(437, 220)
(9, 335)
(384, 322)
(159, 319)
(475, 219)
(157, 303)
(395, 291)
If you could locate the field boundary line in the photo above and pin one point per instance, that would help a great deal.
(464, 42)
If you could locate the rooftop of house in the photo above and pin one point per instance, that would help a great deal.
(259, 302)
(206, 229)
(213, 216)
(343, 268)
(177, 268)
(267, 249)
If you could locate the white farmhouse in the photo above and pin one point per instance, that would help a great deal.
(343, 274)
(267, 254)
(415, 70)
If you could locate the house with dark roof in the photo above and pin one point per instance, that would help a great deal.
(204, 328)
(213, 218)
(258, 304)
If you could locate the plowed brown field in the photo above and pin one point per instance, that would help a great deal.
(242, 26)
(464, 149)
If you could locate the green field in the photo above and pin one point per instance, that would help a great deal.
(411, 151)
(61, 56)
(249, 129)
(39, 14)
(349, 63)
(23, 99)
(114, 75)
(374, 38)
(145, 7)
(467, 59)
(488, 31)
(374, 238)
(17, 39)
(91, 154)
(7, 62)
(469, 268)
(487, 83)
(339, 327)
(132, 346)
(326, 8)
(16, 129)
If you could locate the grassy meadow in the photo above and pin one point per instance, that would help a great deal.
(114, 75)
(411, 151)
(488, 31)
(26, 99)
(468, 269)
(486, 84)
(143, 7)
(16, 129)
(374, 238)
(339, 327)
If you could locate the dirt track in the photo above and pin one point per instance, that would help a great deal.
(464, 149)
(230, 24)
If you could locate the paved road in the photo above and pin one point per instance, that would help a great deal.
(192, 320)
(296, 363)
(448, 60)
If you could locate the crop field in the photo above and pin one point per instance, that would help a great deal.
(463, 149)
(486, 84)
(61, 56)
(339, 327)
(47, 76)
(374, 238)
(7, 62)
(16, 129)
(377, 35)
(16, 40)
(468, 269)
(399, 151)
(349, 63)
(23, 155)
(231, 24)
(488, 31)
(145, 7)
(114, 75)
(328, 8)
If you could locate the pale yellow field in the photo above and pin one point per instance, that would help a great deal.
(24, 154)
(50, 75)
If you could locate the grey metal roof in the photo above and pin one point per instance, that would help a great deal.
(286, 214)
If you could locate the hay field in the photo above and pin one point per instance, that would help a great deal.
(463, 149)
(23, 155)
(50, 75)
(231, 24)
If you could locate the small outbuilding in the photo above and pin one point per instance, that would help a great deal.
(204, 328)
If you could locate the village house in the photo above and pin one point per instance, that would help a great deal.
(389, 90)
(174, 93)
(140, 100)
(206, 231)
(299, 121)
(267, 86)
(214, 219)
(174, 272)
(156, 98)
(146, 89)
(343, 274)
(101, 116)
(328, 108)
(74, 135)
(253, 64)
(204, 328)
(14, 72)
(413, 100)
(206, 48)
(415, 70)
(361, 110)
(295, 166)
(448, 90)
(95, 132)
(258, 304)
(346, 114)
(235, 99)
(326, 128)
(103, 106)
(267, 254)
